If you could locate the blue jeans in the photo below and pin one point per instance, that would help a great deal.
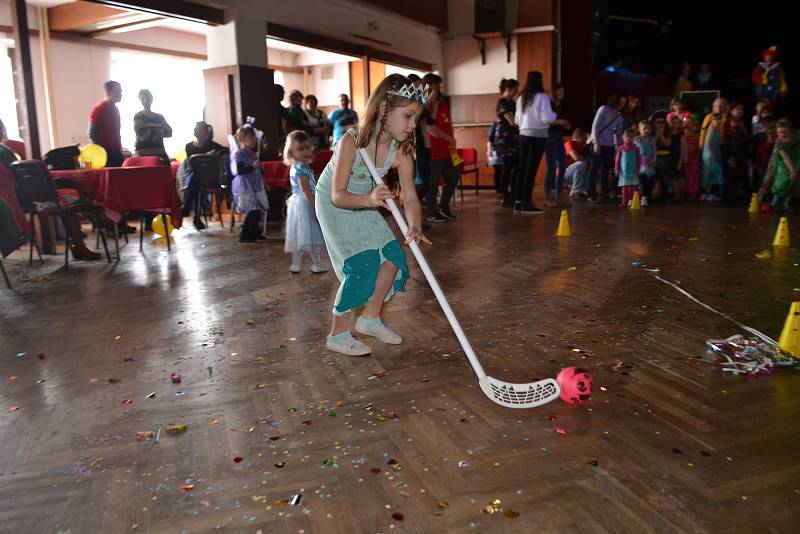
(602, 164)
(556, 158)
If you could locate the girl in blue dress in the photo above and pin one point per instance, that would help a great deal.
(303, 233)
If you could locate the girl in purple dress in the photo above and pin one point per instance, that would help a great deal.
(249, 191)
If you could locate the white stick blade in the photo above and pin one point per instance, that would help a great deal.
(520, 395)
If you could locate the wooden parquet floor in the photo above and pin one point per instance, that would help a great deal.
(668, 442)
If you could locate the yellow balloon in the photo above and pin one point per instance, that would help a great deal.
(93, 156)
(158, 225)
(180, 156)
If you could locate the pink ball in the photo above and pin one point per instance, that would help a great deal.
(575, 384)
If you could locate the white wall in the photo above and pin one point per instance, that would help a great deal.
(463, 72)
(328, 91)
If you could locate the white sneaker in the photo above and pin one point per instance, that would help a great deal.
(379, 330)
(630, 203)
(295, 268)
(703, 197)
(644, 201)
(349, 346)
(318, 268)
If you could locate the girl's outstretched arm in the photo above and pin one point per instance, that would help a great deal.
(405, 168)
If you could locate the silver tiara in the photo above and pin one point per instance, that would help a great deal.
(412, 91)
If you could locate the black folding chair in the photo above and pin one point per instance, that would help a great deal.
(37, 195)
(208, 170)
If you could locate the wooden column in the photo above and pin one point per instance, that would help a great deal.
(359, 85)
(44, 52)
(27, 97)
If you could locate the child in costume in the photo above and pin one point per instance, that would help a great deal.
(365, 254)
(647, 151)
(768, 77)
(763, 152)
(303, 233)
(249, 191)
(690, 158)
(736, 151)
(712, 160)
(784, 165)
(627, 166)
(678, 107)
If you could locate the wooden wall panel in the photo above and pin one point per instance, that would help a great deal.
(535, 52)
(468, 109)
(358, 96)
(536, 13)
(377, 72)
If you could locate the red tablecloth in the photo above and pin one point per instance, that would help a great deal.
(9, 195)
(129, 188)
(276, 174)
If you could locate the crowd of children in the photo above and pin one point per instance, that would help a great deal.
(676, 156)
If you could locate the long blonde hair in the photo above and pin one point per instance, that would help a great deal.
(372, 124)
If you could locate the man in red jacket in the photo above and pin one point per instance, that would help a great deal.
(104, 124)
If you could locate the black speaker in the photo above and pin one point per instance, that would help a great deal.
(490, 16)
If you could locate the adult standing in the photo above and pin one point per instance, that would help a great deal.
(297, 118)
(318, 122)
(283, 116)
(606, 135)
(506, 139)
(442, 141)
(422, 142)
(534, 116)
(104, 124)
(684, 81)
(342, 119)
(632, 113)
(151, 128)
(705, 78)
(555, 155)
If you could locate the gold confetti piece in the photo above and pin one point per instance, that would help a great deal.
(11, 379)
(214, 422)
(175, 428)
(493, 507)
(442, 505)
(117, 338)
